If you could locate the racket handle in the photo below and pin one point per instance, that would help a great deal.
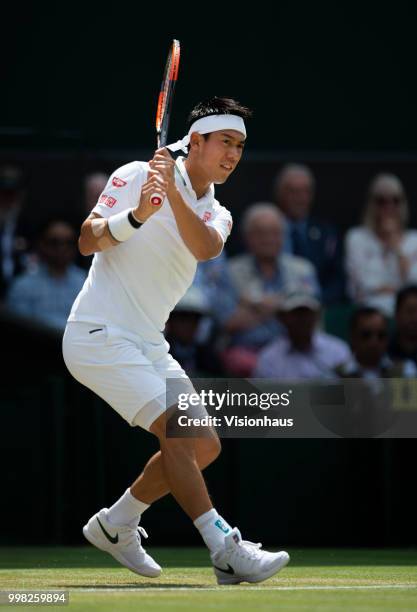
(156, 199)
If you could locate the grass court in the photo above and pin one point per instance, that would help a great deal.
(315, 579)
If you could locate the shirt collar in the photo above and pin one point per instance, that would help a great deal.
(184, 183)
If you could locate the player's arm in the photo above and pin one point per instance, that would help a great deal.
(203, 241)
(96, 235)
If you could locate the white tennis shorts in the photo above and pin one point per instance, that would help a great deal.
(124, 370)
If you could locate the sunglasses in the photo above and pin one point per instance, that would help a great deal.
(367, 334)
(380, 200)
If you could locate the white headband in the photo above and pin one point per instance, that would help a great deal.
(212, 123)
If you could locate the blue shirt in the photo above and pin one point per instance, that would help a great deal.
(48, 299)
(281, 360)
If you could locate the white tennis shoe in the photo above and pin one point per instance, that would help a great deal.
(243, 561)
(122, 542)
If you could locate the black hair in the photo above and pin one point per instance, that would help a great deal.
(403, 294)
(218, 106)
(361, 312)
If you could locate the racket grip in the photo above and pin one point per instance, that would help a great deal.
(156, 199)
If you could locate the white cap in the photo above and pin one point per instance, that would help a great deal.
(299, 299)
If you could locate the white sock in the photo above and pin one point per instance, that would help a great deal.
(127, 510)
(213, 528)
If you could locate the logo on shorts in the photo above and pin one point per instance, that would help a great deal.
(207, 216)
(107, 200)
(118, 182)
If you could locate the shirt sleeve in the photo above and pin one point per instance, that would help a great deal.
(122, 190)
(222, 222)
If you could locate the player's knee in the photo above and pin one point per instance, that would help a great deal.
(215, 449)
(178, 448)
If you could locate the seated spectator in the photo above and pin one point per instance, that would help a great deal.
(369, 344)
(94, 185)
(381, 255)
(213, 279)
(258, 279)
(403, 344)
(13, 234)
(303, 351)
(46, 293)
(305, 235)
(187, 335)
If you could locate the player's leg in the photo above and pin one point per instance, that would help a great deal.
(182, 472)
(234, 559)
(152, 484)
(117, 371)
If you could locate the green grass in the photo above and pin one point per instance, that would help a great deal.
(316, 579)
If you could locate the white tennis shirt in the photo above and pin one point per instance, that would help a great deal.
(136, 284)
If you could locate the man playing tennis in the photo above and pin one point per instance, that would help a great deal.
(145, 259)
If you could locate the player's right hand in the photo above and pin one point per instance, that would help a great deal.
(154, 184)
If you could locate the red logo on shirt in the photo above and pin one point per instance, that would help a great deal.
(107, 200)
(117, 182)
(206, 216)
(229, 225)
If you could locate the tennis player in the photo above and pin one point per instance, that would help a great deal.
(145, 260)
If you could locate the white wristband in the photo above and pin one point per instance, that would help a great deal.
(120, 227)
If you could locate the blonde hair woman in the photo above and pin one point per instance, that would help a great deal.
(381, 254)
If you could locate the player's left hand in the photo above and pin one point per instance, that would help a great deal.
(163, 163)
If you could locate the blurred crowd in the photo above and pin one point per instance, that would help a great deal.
(265, 311)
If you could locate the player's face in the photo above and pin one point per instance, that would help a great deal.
(220, 153)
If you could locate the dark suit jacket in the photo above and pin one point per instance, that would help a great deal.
(323, 247)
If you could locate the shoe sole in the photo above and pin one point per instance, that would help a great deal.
(259, 577)
(88, 536)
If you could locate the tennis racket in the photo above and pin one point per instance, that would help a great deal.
(163, 110)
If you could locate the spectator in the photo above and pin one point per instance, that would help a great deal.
(305, 235)
(46, 293)
(213, 279)
(13, 237)
(404, 342)
(303, 351)
(258, 279)
(381, 255)
(186, 334)
(94, 185)
(369, 344)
